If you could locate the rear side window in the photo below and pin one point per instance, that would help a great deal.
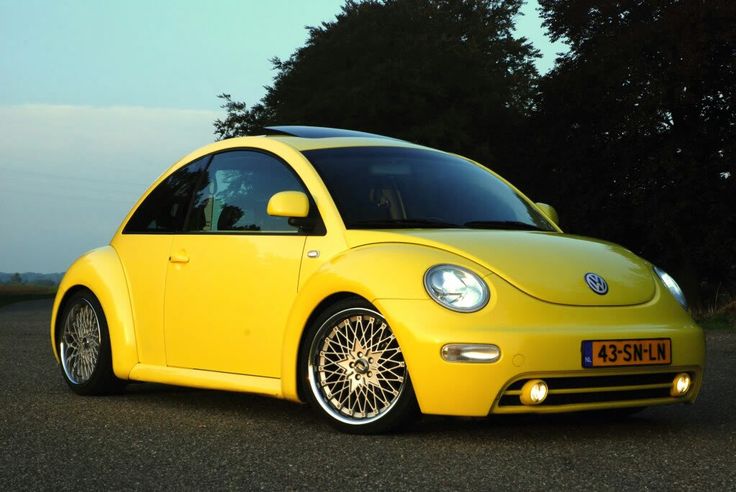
(165, 209)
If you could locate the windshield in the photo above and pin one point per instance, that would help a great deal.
(393, 187)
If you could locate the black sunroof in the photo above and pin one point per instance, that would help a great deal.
(317, 132)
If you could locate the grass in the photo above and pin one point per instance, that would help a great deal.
(12, 293)
(718, 323)
(720, 317)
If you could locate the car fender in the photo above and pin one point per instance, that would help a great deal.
(101, 272)
(373, 271)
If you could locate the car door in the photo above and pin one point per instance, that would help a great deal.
(232, 276)
(144, 247)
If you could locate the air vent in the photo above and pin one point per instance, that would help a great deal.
(590, 390)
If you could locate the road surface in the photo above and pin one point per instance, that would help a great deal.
(158, 437)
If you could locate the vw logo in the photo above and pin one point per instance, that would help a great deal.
(596, 283)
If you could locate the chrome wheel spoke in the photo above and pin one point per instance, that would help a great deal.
(356, 366)
(80, 342)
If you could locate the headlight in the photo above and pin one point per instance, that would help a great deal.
(672, 286)
(456, 288)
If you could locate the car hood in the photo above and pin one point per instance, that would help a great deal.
(547, 265)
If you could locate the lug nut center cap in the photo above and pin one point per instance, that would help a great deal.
(361, 366)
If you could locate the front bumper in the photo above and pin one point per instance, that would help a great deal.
(539, 340)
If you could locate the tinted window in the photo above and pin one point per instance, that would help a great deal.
(235, 193)
(389, 187)
(165, 209)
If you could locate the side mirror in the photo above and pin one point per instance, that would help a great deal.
(288, 204)
(549, 211)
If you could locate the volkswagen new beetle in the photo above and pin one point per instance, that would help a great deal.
(374, 279)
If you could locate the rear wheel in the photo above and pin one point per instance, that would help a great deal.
(84, 346)
(354, 371)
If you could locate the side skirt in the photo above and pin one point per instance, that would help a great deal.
(197, 378)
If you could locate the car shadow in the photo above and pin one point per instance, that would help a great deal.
(273, 411)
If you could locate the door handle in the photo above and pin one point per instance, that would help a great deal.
(179, 259)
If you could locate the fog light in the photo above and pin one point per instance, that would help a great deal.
(462, 352)
(533, 392)
(681, 384)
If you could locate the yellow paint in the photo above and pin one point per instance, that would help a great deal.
(288, 204)
(549, 211)
(144, 260)
(101, 272)
(223, 308)
(227, 311)
(546, 265)
(548, 336)
(206, 379)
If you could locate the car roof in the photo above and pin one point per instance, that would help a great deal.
(317, 132)
(319, 137)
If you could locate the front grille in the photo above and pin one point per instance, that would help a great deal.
(593, 389)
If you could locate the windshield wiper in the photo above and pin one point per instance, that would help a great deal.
(401, 224)
(503, 224)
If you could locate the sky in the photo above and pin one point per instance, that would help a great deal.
(98, 98)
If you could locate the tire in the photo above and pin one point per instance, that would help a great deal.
(83, 345)
(358, 389)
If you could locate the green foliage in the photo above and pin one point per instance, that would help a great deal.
(443, 73)
(16, 292)
(636, 128)
(240, 120)
(632, 136)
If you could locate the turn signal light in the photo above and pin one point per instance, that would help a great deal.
(464, 352)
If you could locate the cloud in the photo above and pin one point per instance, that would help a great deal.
(69, 174)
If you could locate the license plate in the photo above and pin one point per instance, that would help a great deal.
(616, 353)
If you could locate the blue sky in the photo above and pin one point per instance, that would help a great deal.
(98, 98)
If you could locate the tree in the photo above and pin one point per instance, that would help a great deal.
(636, 128)
(443, 73)
(632, 135)
(16, 279)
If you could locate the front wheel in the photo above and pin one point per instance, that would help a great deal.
(354, 370)
(84, 347)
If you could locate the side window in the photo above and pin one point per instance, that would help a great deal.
(165, 209)
(235, 194)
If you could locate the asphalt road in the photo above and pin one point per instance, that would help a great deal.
(158, 437)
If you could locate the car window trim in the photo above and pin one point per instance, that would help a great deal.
(319, 230)
(194, 191)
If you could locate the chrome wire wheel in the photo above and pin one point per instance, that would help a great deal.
(356, 369)
(81, 340)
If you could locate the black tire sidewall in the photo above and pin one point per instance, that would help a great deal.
(103, 380)
(404, 411)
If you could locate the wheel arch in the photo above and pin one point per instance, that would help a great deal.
(56, 320)
(371, 272)
(324, 305)
(302, 316)
(101, 272)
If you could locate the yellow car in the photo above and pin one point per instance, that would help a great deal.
(374, 279)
